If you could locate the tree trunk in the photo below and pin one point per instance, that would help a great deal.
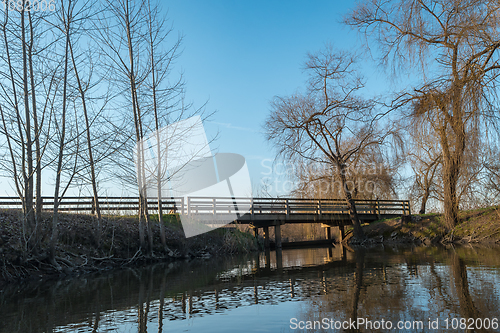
(424, 201)
(450, 196)
(141, 223)
(451, 173)
(138, 136)
(358, 279)
(28, 174)
(144, 184)
(358, 233)
(38, 151)
(459, 270)
(55, 218)
(89, 147)
(148, 225)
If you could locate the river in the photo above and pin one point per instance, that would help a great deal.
(293, 290)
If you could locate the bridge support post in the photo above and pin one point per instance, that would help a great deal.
(266, 237)
(328, 233)
(342, 233)
(279, 259)
(277, 235)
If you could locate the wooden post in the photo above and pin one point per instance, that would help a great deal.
(251, 208)
(344, 254)
(182, 206)
(268, 258)
(216, 299)
(378, 209)
(279, 259)
(287, 205)
(328, 233)
(342, 233)
(213, 206)
(319, 209)
(277, 235)
(188, 211)
(266, 237)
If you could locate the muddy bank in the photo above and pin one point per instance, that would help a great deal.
(82, 248)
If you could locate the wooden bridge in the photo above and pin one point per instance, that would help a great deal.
(256, 212)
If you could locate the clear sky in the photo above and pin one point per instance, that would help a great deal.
(238, 55)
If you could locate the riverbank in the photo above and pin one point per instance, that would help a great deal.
(479, 226)
(81, 248)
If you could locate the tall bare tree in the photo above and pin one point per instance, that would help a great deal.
(66, 17)
(27, 90)
(328, 123)
(454, 45)
(164, 91)
(83, 66)
(120, 31)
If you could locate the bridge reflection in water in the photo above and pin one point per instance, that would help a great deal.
(329, 282)
(179, 290)
(272, 277)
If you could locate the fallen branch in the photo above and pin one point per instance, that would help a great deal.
(66, 261)
(103, 258)
(133, 258)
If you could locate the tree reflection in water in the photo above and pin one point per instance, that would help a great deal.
(334, 283)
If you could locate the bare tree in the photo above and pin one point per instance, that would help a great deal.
(120, 32)
(28, 84)
(424, 155)
(163, 92)
(141, 51)
(454, 45)
(328, 123)
(371, 176)
(66, 17)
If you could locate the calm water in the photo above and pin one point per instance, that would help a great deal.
(273, 292)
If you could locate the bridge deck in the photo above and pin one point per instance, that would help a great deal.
(257, 212)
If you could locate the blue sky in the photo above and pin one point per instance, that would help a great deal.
(238, 55)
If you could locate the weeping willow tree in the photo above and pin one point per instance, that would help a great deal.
(454, 47)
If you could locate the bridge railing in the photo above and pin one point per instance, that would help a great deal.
(109, 205)
(219, 205)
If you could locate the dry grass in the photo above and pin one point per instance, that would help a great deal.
(481, 225)
(476, 226)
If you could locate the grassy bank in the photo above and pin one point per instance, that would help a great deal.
(82, 248)
(476, 226)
